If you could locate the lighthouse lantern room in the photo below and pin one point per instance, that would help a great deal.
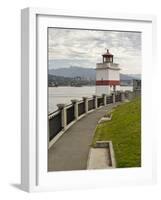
(107, 75)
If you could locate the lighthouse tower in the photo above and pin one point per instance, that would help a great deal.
(107, 75)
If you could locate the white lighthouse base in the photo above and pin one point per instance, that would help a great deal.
(106, 89)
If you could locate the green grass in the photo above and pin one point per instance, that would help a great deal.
(124, 130)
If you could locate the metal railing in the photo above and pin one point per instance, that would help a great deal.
(55, 124)
(81, 108)
(91, 104)
(100, 101)
(66, 114)
(70, 114)
(118, 97)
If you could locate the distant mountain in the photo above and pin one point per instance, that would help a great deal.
(86, 73)
(68, 81)
(130, 76)
(135, 76)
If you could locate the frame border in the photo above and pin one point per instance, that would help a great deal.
(29, 144)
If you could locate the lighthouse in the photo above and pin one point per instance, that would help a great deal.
(107, 75)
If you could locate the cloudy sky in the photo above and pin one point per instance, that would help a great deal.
(83, 48)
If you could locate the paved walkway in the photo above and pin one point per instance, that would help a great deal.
(70, 152)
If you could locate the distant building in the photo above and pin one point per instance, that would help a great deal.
(107, 75)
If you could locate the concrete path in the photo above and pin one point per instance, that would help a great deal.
(70, 152)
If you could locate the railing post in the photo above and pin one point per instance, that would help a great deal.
(85, 99)
(104, 99)
(63, 109)
(95, 101)
(136, 92)
(129, 94)
(122, 96)
(75, 103)
(114, 97)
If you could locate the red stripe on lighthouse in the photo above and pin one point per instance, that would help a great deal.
(107, 82)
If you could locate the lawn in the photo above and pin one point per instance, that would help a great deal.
(124, 130)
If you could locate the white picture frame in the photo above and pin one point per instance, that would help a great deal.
(34, 176)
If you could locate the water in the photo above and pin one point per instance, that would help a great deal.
(59, 95)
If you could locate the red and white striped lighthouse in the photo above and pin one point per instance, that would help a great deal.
(107, 75)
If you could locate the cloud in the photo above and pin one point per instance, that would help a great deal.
(84, 48)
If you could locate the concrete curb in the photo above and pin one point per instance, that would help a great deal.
(105, 119)
(100, 145)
